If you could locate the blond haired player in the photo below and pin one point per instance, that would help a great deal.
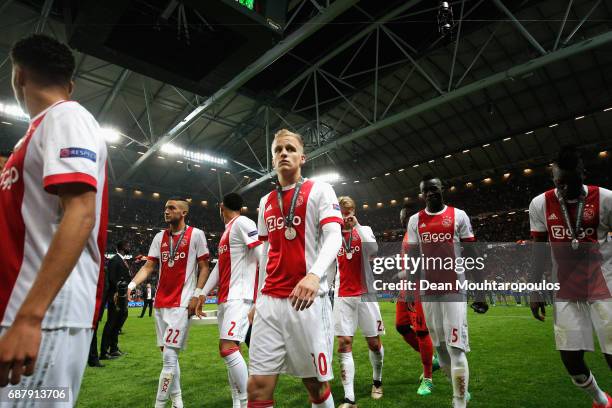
(181, 253)
(292, 329)
(355, 306)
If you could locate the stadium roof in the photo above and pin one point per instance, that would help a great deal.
(380, 95)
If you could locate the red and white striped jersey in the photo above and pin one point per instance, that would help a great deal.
(177, 282)
(63, 145)
(350, 278)
(237, 265)
(439, 236)
(581, 275)
(290, 260)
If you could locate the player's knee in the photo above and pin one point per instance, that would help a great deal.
(259, 388)
(227, 347)
(403, 329)
(374, 343)
(170, 357)
(317, 390)
(345, 344)
(458, 357)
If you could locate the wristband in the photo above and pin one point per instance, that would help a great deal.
(131, 286)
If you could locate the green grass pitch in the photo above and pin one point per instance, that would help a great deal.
(513, 363)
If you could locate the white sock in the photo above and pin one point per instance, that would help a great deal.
(347, 369)
(237, 372)
(589, 385)
(460, 374)
(376, 359)
(175, 389)
(168, 376)
(327, 403)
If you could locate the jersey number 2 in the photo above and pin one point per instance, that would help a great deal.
(230, 331)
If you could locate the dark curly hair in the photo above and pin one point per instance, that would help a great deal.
(50, 61)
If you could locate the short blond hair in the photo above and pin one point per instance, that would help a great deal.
(346, 202)
(287, 132)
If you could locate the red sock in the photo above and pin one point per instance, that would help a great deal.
(426, 350)
(260, 404)
(411, 338)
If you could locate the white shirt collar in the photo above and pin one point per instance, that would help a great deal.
(46, 110)
(121, 256)
(436, 213)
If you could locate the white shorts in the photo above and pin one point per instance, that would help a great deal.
(62, 357)
(284, 340)
(575, 322)
(172, 327)
(233, 319)
(351, 312)
(447, 323)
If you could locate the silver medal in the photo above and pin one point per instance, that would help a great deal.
(349, 255)
(171, 263)
(290, 233)
(575, 244)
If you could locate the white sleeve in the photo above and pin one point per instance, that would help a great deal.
(368, 240)
(212, 281)
(605, 207)
(412, 229)
(202, 252)
(155, 249)
(537, 219)
(328, 207)
(247, 232)
(262, 228)
(331, 243)
(263, 263)
(73, 149)
(464, 226)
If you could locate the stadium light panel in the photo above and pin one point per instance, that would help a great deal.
(171, 148)
(487, 180)
(137, 192)
(119, 189)
(379, 205)
(356, 181)
(156, 195)
(603, 154)
(393, 202)
(527, 171)
(506, 175)
(141, 153)
(507, 138)
(466, 151)
(400, 170)
(579, 117)
(608, 109)
(448, 156)
(553, 125)
(327, 177)
(14, 111)
(529, 132)
(486, 145)
(469, 184)
(415, 166)
(431, 161)
(365, 206)
(6, 123)
(110, 135)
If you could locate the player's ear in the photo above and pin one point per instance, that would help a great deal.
(302, 159)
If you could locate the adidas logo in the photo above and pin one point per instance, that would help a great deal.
(422, 225)
(269, 207)
(552, 217)
(164, 245)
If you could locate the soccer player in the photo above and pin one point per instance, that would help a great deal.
(53, 217)
(410, 323)
(583, 268)
(235, 274)
(436, 232)
(353, 305)
(292, 329)
(182, 255)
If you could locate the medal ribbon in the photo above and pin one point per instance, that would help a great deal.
(174, 248)
(574, 232)
(279, 196)
(347, 246)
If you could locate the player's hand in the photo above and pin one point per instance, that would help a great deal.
(19, 350)
(251, 314)
(191, 308)
(480, 307)
(303, 295)
(198, 310)
(351, 221)
(537, 306)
